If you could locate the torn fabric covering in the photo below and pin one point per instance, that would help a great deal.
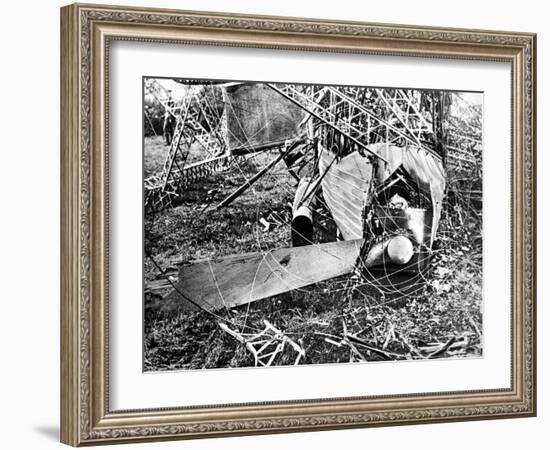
(347, 181)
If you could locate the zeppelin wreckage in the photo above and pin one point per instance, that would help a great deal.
(375, 158)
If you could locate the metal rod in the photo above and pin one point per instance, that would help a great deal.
(253, 179)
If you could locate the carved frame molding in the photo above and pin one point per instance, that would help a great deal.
(86, 31)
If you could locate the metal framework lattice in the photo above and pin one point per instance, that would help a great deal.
(363, 115)
(198, 119)
(349, 118)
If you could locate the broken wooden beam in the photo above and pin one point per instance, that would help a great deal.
(236, 280)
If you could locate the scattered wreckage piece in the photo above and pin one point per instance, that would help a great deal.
(236, 280)
(452, 347)
(352, 342)
(266, 345)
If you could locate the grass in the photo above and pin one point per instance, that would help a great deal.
(446, 307)
(155, 153)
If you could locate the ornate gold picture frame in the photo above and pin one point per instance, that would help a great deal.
(86, 34)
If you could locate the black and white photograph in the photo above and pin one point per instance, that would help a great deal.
(298, 224)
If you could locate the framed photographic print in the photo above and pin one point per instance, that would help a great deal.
(276, 224)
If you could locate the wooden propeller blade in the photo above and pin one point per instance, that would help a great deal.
(237, 280)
